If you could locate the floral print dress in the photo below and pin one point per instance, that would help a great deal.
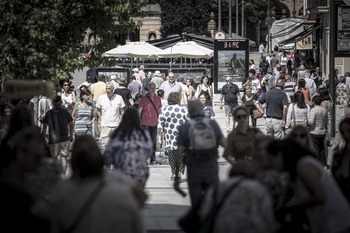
(342, 94)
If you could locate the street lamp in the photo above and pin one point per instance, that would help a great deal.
(268, 26)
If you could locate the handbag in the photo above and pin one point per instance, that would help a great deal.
(257, 114)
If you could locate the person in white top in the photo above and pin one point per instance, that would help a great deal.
(110, 108)
(298, 113)
(68, 96)
(114, 82)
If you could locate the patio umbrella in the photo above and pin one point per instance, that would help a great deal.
(189, 49)
(133, 50)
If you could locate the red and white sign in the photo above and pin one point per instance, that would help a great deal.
(220, 35)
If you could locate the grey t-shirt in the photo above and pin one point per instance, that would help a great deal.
(135, 88)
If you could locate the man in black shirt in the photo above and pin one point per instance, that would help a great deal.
(276, 110)
(232, 99)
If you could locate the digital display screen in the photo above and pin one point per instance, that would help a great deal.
(231, 59)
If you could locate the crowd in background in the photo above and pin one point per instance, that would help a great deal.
(279, 182)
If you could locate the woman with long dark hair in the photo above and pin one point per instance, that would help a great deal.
(68, 96)
(298, 112)
(305, 90)
(314, 190)
(129, 148)
(205, 88)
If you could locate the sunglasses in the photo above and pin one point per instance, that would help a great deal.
(228, 80)
(65, 85)
(241, 116)
(171, 76)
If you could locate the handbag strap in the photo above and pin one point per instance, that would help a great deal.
(228, 191)
(294, 115)
(85, 207)
(153, 105)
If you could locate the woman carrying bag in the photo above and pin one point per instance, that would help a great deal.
(298, 113)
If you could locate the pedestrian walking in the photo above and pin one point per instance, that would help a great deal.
(318, 121)
(110, 109)
(305, 90)
(99, 88)
(241, 141)
(169, 122)
(276, 110)
(191, 93)
(129, 148)
(61, 130)
(342, 92)
(341, 160)
(170, 86)
(205, 88)
(83, 115)
(27, 149)
(314, 190)
(208, 110)
(298, 113)
(157, 79)
(124, 92)
(149, 110)
(68, 96)
(134, 87)
(230, 92)
(201, 160)
(94, 203)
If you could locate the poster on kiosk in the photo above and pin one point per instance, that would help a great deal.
(231, 59)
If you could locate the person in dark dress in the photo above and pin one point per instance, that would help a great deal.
(125, 93)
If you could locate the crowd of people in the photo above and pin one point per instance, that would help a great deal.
(281, 181)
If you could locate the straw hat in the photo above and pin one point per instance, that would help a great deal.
(302, 67)
(121, 81)
(157, 73)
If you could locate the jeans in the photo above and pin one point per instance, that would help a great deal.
(319, 146)
(153, 132)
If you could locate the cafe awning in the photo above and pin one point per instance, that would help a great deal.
(300, 36)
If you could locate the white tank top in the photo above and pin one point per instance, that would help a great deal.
(67, 100)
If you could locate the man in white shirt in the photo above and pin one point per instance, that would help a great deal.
(309, 83)
(261, 48)
(171, 86)
(110, 109)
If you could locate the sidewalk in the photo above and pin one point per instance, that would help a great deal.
(164, 206)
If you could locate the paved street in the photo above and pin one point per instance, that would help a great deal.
(164, 205)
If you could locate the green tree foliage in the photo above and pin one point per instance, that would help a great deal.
(189, 16)
(39, 38)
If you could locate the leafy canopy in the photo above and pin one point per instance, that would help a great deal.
(39, 38)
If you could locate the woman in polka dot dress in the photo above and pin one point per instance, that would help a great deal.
(169, 122)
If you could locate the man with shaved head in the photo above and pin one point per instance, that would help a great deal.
(110, 108)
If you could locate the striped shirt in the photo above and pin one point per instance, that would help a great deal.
(318, 120)
(289, 88)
